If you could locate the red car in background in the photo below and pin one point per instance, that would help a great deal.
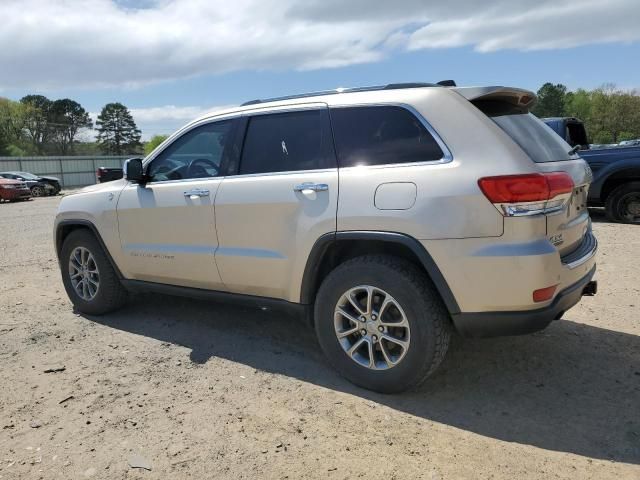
(13, 190)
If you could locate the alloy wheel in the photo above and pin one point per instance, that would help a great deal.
(371, 327)
(83, 272)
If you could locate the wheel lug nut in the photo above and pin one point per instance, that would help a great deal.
(363, 332)
(381, 328)
(363, 318)
(373, 317)
(374, 338)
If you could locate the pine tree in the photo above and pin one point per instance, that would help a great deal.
(67, 118)
(117, 131)
(551, 101)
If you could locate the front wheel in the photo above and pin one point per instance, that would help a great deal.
(623, 204)
(381, 323)
(88, 276)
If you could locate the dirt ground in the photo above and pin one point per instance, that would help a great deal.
(202, 390)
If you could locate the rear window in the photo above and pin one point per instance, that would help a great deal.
(381, 136)
(538, 141)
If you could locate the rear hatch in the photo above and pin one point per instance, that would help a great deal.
(509, 109)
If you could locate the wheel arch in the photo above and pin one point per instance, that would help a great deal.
(66, 227)
(616, 178)
(332, 249)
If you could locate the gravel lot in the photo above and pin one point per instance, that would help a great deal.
(203, 390)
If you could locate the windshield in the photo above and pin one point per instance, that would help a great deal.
(538, 141)
(28, 176)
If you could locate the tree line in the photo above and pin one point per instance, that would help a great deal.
(610, 114)
(36, 125)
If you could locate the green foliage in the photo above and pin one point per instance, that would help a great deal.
(12, 123)
(86, 148)
(37, 110)
(578, 104)
(117, 131)
(153, 143)
(551, 100)
(66, 118)
(16, 151)
(610, 114)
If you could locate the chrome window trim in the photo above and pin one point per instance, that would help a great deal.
(232, 116)
(447, 156)
(184, 180)
(286, 172)
(266, 110)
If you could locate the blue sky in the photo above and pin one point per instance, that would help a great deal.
(170, 60)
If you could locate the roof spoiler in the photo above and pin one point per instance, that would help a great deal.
(515, 96)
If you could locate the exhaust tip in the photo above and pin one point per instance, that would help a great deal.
(590, 289)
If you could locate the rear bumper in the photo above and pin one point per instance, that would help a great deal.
(496, 324)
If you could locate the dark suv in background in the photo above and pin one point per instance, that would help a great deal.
(39, 186)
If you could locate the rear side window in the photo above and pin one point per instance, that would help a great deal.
(381, 136)
(537, 139)
(291, 141)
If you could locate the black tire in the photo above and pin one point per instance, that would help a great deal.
(623, 204)
(428, 319)
(110, 294)
(37, 191)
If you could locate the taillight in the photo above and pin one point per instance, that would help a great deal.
(527, 194)
(99, 173)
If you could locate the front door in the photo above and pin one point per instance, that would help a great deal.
(167, 226)
(281, 198)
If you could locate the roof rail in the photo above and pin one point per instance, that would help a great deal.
(390, 86)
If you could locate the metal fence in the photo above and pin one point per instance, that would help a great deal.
(74, 171)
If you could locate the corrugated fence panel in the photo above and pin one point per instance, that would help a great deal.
(79, 179)
(75, 171)
(41, 167)
(9, 165)
(80, 165)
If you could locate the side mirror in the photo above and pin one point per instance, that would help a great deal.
(133, 170)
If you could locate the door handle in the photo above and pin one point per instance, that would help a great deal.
(196, 192)
(314, 187)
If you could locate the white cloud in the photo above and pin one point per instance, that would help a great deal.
(163, 120)
(90, 43)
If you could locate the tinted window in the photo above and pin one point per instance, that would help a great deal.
(196, 154)
(287, 142)
(538, 141)
(381, 135)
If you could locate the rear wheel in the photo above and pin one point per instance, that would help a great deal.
(88, 276)
(623, 204)
(381, 323)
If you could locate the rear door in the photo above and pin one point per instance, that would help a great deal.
(277, 202)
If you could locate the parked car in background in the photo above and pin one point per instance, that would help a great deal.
(39, 185)
(433, 230)
(13, 190)
(616, 171)
(106, 174)
(630, 143)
